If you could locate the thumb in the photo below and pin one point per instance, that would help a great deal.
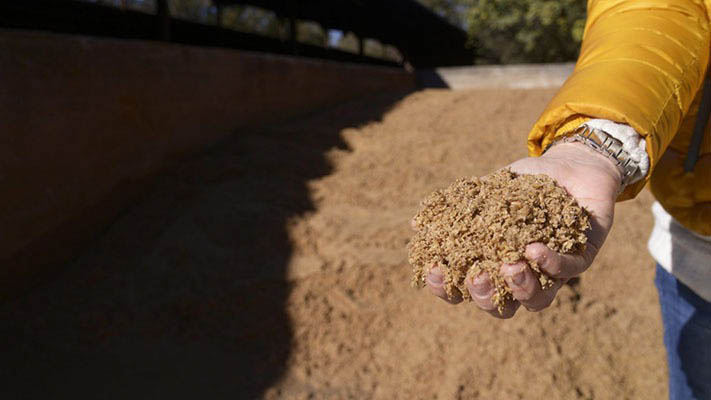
(561, 266)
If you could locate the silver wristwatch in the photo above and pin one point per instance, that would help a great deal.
(606, 144)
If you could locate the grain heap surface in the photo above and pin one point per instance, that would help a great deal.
(476, 224)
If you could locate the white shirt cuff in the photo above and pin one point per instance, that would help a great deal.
(632, 142)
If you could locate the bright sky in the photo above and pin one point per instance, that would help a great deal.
(333, 37)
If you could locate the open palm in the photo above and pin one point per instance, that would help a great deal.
(594, 181)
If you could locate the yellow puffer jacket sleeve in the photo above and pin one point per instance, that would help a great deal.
(641, 63)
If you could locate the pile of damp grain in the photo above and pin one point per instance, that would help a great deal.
(475, 225)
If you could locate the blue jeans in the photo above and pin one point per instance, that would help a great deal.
(687, 337)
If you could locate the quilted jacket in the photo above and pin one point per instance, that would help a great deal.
(643, 63)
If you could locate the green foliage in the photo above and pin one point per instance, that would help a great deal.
(193, 10)
(251, 19)
(349, 42)
(373, 48)
(517, 31)
(455, 11)
(310, 33)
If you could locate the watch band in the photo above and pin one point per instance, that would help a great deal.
(606, 144)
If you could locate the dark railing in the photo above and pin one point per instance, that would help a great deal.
(75, 17)
(423, 37)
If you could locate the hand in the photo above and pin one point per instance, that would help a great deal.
(590, 177)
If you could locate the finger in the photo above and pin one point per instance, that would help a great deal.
(482, 291)
(560, 265)
(526, 288)
(435, 283)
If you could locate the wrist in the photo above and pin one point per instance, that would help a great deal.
(626, 158)
(582, 158)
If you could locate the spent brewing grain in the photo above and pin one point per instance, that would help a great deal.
(477, 224)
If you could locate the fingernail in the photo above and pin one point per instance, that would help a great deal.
(435, 276)
(519, 278)
(481, 286)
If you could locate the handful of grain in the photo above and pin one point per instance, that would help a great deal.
(477, 224)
